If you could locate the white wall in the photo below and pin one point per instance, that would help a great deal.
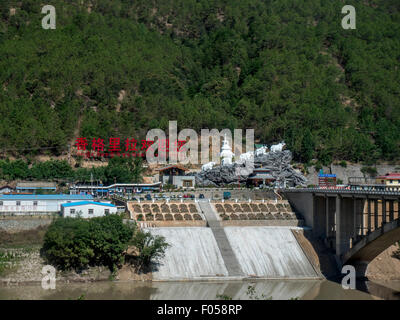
(26, 206)
(98, 210)
(178, 180)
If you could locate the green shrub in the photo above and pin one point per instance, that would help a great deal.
(371, 171)
(75, 243)
(8, 260)
(343, 164)
(150, 248)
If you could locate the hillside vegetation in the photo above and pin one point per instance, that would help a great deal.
(285, 68)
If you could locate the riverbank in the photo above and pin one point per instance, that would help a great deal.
(25, 263)
(188, 290)
(385, 266)
(25, 267)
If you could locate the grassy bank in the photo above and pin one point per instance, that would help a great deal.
(21, 238)
(17, 247)
(11, 257)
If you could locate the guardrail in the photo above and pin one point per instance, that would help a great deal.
(351, 191)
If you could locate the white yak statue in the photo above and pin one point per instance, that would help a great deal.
(207, 166)
(278, 147)
(261, 151)
(244, 157)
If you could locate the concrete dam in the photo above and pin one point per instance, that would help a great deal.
(260, 251)
(193, 254)
(271, 252)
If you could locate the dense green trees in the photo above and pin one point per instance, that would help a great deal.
(149, 249)
(118, 169)
(76, 243)
(285, 68)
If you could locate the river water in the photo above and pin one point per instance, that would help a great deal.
(190, 290)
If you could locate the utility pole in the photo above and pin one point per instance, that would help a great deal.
(91, 181)
(69, 154)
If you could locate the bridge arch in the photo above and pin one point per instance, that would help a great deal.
(356, 224)
(371, 245)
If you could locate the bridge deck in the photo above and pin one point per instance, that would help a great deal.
(344, 192)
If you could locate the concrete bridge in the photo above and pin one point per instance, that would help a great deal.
(356, 224)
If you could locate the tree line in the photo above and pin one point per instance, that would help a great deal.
(285, 68)
(77, 244)
(118, 169)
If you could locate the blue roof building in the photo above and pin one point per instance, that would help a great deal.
(82, 203)
(37, 204)
(87, 209)
(46, 197)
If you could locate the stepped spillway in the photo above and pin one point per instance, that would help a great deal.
(193, 254)
(266, 252)
(271, 252)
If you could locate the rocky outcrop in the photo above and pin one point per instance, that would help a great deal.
(280, 168)
(277, 162)
(220, 175)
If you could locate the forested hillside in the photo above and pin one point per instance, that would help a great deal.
(285, 68)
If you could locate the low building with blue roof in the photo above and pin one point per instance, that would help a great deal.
(37, 204)
(87, 209)
(34, 186)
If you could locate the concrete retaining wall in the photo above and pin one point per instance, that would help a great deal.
(172, 224)
(17, 224)
(303, 204)
(262, 223)
(352, 170)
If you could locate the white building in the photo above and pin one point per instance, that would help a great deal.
(35, 204)
(116, 188)
(87, 209)
(6, 189)
(226, 153)
(175, 174)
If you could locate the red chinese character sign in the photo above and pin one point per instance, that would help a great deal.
(115, 146)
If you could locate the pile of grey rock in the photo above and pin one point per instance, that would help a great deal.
(280, 168)
(277, 162)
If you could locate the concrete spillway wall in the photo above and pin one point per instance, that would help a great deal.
(271, 252)
(193, 254)
(268, 252)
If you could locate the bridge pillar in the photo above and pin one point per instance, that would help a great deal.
(383, 210)
(358, 209)
(358, 215)
(361, 268)
(344, 224)
(327, 226)
(369, 215)
(391, 210)
(330, 222)
(319, 227)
